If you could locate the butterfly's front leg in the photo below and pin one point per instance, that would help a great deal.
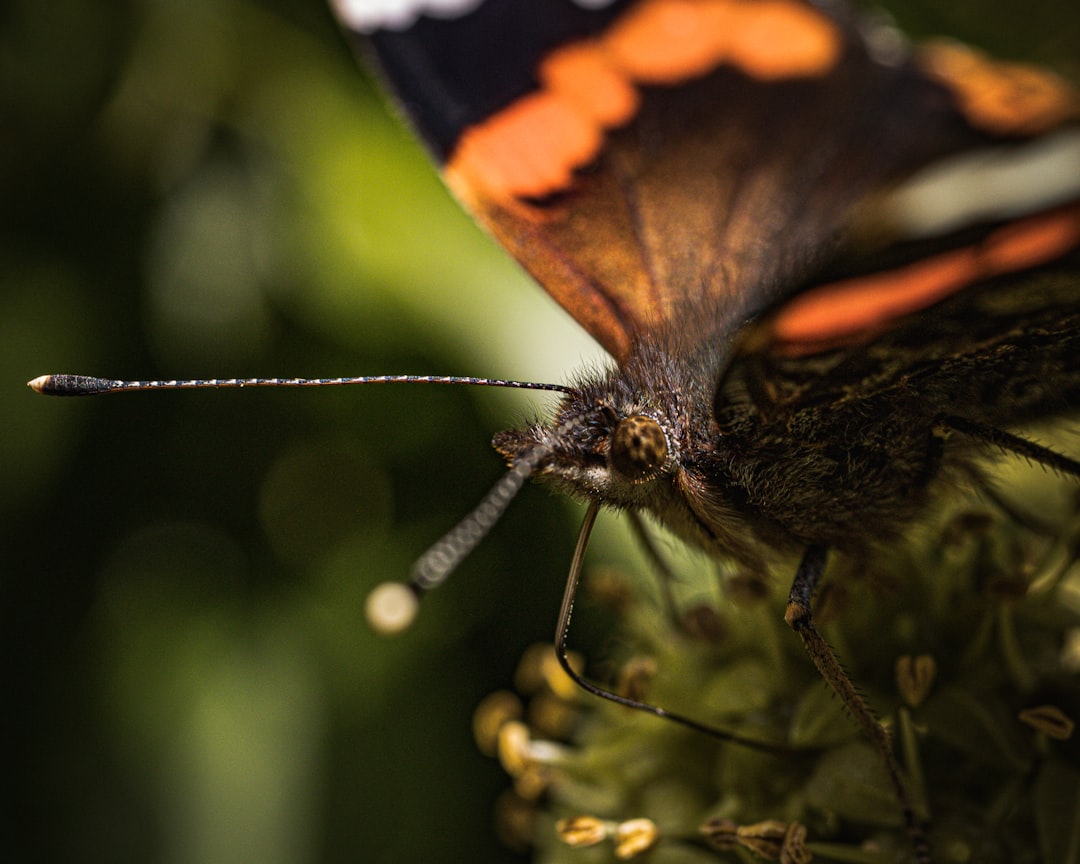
(799, 617)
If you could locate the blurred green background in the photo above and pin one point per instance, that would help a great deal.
(208, 189)
(211, 188)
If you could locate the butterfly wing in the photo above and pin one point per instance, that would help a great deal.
(1001, 352)
(641, 157)
(980, 321)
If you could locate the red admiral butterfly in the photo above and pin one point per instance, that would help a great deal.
(774, 217)
(831, 269)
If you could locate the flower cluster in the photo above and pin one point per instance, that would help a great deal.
(965, 638)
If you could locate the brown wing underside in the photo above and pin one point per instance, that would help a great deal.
(726, 186)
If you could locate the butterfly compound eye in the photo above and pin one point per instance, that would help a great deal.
(638, 448)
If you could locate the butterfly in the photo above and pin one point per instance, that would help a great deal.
(831, 269)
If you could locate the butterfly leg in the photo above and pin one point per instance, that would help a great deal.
(562, 635)
(663, 569)
(1013, 444)
(800, 618)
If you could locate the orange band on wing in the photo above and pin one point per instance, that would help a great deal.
(669, 42)
(583, 77)
(1001, 98)
(531, 148)
(846, 312)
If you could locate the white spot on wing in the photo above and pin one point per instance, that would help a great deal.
(367, 16)
(886, 44)
(999, 183)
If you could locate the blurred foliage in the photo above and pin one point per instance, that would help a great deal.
(211, 188)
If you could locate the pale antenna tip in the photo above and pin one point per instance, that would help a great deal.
(39, 384)
(391, 608)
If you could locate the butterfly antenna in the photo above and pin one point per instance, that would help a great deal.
(88, 385)
(392, 606)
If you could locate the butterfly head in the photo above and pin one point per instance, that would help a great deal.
(601, 446)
